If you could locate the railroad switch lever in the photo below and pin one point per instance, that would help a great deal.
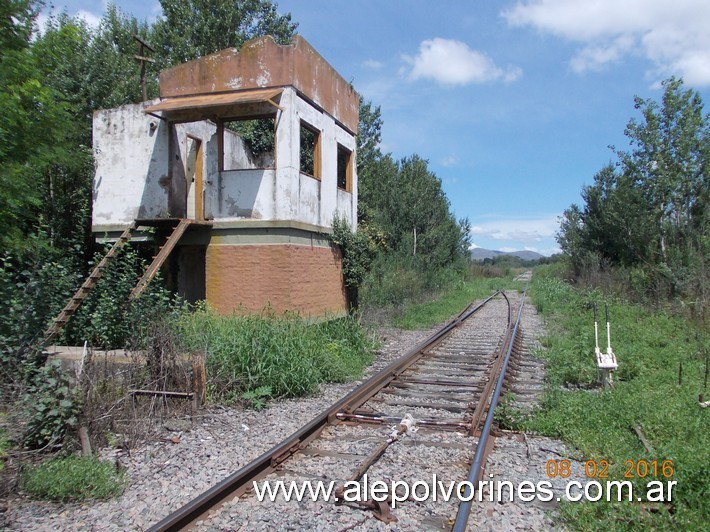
(408, 423)
(606, 361)
(380, 508)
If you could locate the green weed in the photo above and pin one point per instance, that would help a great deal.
(257, 398)
(285, 354)
(451, 302)
(53, 407)
(649, 348)
(73, 478)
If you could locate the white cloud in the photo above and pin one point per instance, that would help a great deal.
(526, 231)
(41, 21)
(155, 12)
(449, 161)
(673, 34)
(531, 233)
(373, 64)
(595, 57)
(451, 62)
(91, 20)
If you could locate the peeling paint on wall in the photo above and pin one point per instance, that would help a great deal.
(141, 162)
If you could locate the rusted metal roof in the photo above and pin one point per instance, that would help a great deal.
(205, 101)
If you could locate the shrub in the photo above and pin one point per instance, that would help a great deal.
(33, 287)
(393, 280)
(358, 250)
(283, 354)
(73, 478)
(106, 319)
(53, 407)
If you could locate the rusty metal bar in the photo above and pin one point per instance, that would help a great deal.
(478, 458)
(378, 418)
(436, 382)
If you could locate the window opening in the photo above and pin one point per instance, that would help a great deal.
(258, 137)
(344, 168)
(309, 151)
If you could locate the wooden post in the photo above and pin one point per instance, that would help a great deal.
(142, 59)
(85, 442)
(199, 379)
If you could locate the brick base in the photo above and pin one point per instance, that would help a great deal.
(305, 279)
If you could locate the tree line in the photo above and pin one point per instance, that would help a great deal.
(647, 215)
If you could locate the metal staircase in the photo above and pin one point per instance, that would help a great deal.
(160, 258)
(78, 298)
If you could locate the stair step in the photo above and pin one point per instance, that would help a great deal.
(88, 284)
(163, 253)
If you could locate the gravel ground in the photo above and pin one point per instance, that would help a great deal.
(163, 476)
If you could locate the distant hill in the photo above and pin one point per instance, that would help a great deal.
(481, 254)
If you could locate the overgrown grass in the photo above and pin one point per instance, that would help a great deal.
(650, 348)
(453, 300)
(283, 354)
(73, 478)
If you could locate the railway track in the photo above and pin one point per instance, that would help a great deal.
(428, 413)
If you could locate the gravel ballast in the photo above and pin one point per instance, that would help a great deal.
(164, 476)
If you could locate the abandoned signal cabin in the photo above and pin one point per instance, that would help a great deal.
(257, 219)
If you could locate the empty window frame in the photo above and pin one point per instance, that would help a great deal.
(309, 160)
(258, 136)
(345, 169)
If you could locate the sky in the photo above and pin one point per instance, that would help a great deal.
(515, 104)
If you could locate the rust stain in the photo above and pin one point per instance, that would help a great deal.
(262, 63)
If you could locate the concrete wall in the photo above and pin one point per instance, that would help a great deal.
(131, 153)
(261, 63)
(301, 197)
(142, 170)
(245, 194)
(141, 166)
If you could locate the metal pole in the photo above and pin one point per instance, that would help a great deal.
(608, 331)
(596, 330)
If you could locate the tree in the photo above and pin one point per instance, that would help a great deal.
(67, 53)
(650, 212)
(404, 203)
(669, 159)
(34, 126)
(369, 135)
(195, 28)
(16, 20)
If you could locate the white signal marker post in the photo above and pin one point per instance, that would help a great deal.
(606, 362)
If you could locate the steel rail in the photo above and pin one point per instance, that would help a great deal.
(478, 458)
(240, 481)
(493, 371)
